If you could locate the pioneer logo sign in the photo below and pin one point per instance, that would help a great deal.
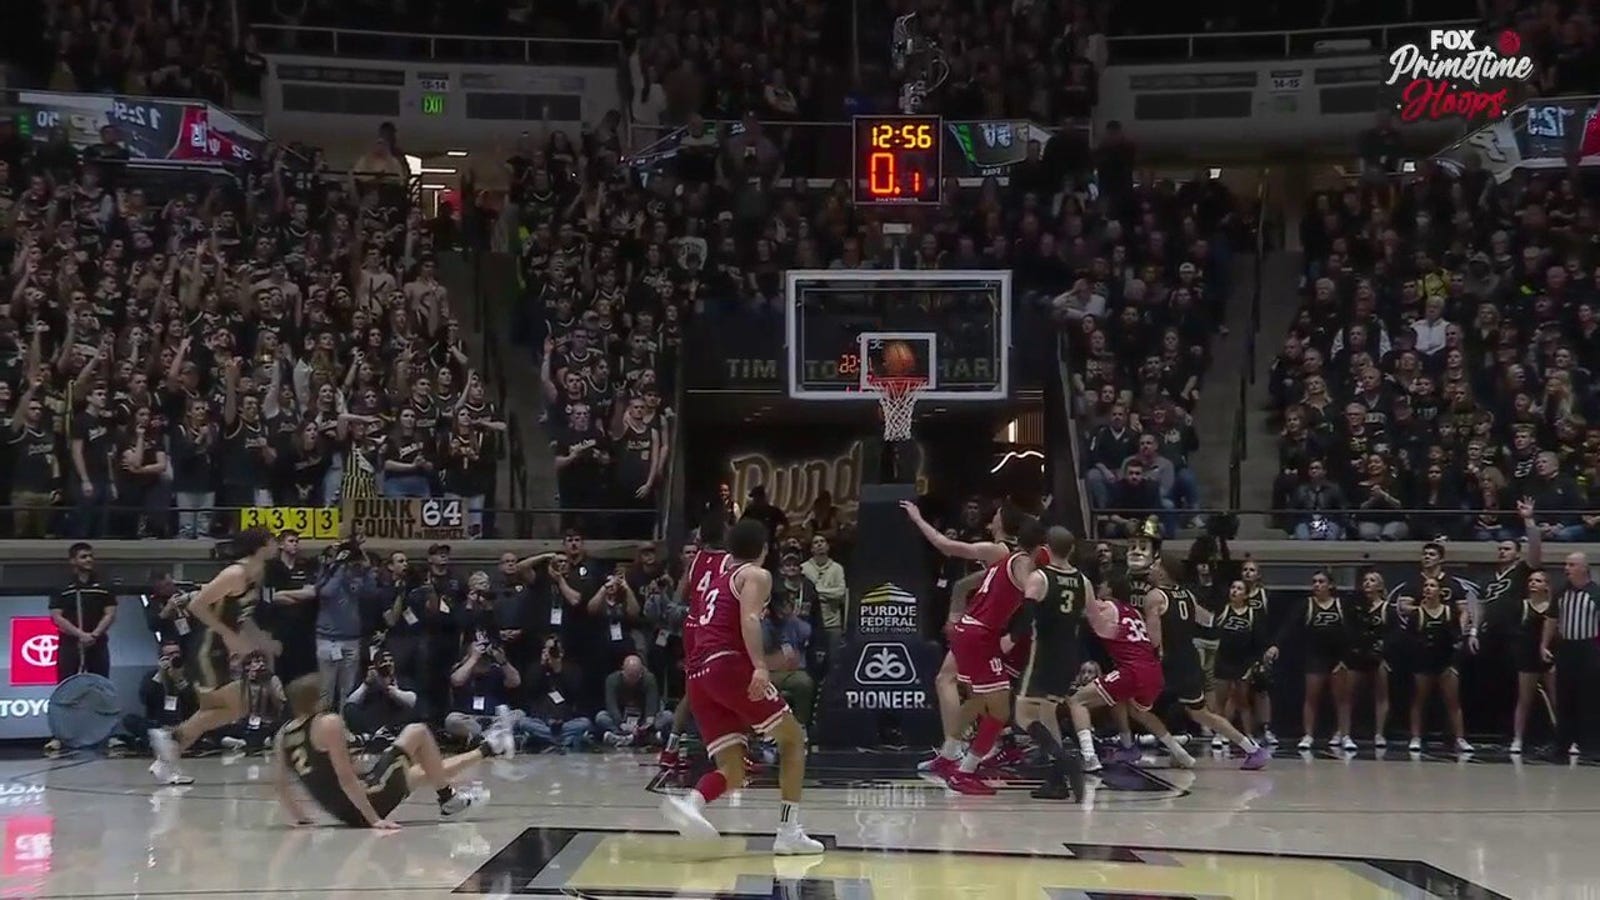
(884, 674)
(1460, 74)
(34, 644)
(887, 609)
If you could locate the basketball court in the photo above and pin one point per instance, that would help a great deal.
(586, 826)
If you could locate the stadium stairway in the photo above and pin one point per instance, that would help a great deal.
(1219, 399)
(1280, 279)
(501, 292)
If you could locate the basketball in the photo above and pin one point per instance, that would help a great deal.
(899, 359)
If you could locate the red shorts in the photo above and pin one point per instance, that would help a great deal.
(719, 698)
(1016, 659)
(979, 664)
(1139, 685)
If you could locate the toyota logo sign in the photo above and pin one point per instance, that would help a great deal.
(35, 646)
(40, 650)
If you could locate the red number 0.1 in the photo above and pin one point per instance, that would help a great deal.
(880, 174)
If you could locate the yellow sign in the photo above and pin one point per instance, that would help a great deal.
(317, 523)
(433, 519)
(602, 863)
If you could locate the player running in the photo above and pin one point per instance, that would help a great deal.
(1169, 616)
(978, 640)
(709, 561)
(730, 692)
(1136, 680)
(226, 632)
(1053, 617)
(312, 744)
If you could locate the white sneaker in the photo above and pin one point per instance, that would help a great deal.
(458, 803)
(164, 745)
(1180, 756)
(1349, 743)
(690, 821)
(1091, 763)
(1305, 743)
(1516, 745)
(1335, 740)
(232, 743)
(792, 840)
(1462, 746)
(1415, 746)
(1268, 738)
(1572, 750)
(1217, 743)
(1379, 740)
(612, 739)
(501, 741)
(167, 773)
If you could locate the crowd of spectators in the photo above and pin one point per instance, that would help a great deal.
(175, 345)
(1439, 368)
(188, 48)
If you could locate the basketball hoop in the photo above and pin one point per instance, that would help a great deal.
(897, 396)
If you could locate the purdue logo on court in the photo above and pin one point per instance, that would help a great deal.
(885, 664)
(887, 609)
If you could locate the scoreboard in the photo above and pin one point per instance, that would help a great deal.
(898, 160)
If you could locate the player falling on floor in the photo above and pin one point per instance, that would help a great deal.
(1169, 615)
(312, 746)
(731, 692)
(226, 632)
(1053, 615)
(975, 638)
(1135, 681)
(709, 561)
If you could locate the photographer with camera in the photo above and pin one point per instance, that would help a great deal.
(166, 610)
(342, 586)
(664, 613)
(379, 706)
(166, 698)
(553, 719)
(615, 610)
(633, 716)
(264, 703)
(481, 683)
(475, 615)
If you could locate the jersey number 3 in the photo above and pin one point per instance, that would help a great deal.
(711, 608)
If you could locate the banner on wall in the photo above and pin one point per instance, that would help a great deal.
(30, 674)
(796, 476)
(179, 131)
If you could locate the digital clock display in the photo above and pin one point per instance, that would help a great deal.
(898, 159)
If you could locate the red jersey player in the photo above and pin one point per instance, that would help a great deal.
(708, 562)
(731, 692)
(978, 640)
(1136, 680)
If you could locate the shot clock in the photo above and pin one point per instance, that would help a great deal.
(898, 159)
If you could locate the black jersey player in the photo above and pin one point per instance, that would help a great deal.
(311, 746)
(1054, 623)
(225, 632)
(1169, 613)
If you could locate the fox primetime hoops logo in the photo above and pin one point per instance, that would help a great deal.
(1460, 74)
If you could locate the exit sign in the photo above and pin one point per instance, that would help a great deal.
(433, 104)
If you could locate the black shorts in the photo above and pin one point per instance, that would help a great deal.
(1184, 678)
(1049, 672)
(387, 788)
(1434, 663)
(211, 665)
(1322, 664)
(1228, 668)
(1365, 663)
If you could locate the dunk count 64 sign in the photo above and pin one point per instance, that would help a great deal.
(433, 519)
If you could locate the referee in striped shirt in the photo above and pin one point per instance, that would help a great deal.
(1577, 655)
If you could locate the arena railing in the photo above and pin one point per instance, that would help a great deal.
(466, 48)
(1452, 526)
(1212, 45)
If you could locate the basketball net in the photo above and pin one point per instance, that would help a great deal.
(897, 397)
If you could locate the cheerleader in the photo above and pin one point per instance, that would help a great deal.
(1323, 629)
(1531, 655)
(1436, 635)
(1261, 678)
(1375, 620)
(1241, 631)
